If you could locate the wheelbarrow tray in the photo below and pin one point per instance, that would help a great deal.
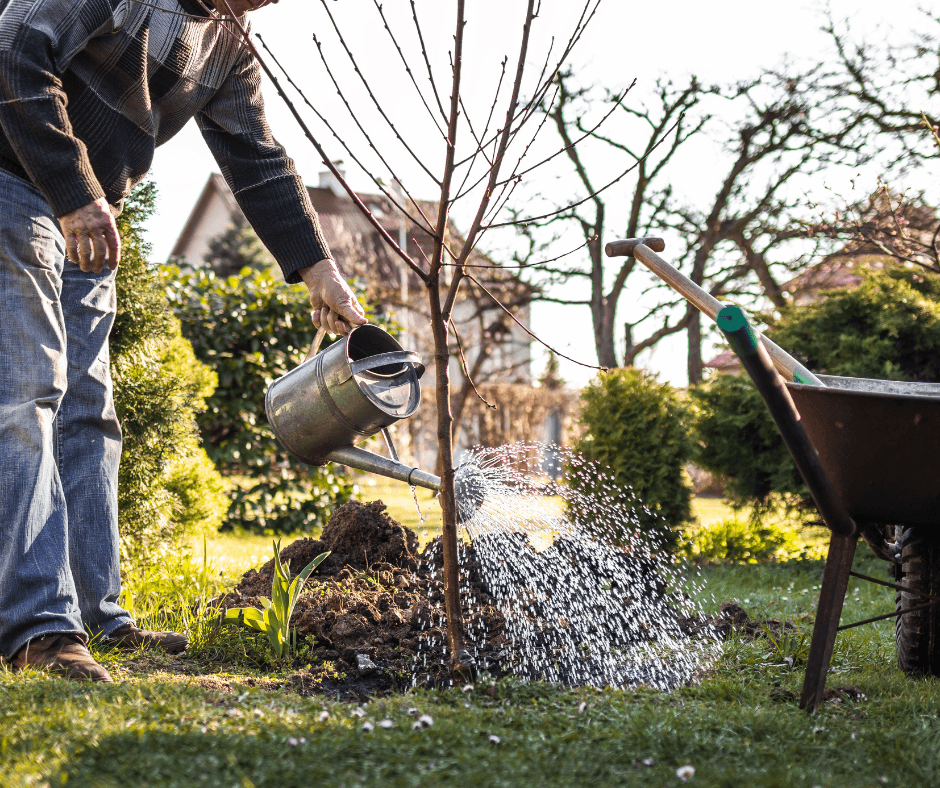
(879, 441)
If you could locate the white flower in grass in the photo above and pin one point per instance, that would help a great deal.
(367, 726)
(416, 726)
(358, 713)
(467, 688)
(494, 739)
(412, 711)
(324, 716)
(426, 720)
(386, 724)
(685, 773)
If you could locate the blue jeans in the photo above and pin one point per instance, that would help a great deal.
(60, 441)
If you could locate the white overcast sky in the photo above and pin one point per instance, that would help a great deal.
(719, 42)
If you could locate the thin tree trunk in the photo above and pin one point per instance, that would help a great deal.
(696, 368)
(455, 634)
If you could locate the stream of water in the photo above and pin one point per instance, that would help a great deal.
(587, 598)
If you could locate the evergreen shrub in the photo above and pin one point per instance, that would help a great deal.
(168, 489)
(635, 429)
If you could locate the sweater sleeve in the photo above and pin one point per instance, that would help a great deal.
(38, 39)
(260, 174)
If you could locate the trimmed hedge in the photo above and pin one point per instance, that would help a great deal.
(167, 486)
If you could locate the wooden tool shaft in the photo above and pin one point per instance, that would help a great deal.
(786, 365)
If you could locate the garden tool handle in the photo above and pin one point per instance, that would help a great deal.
(642, 250)
(385, 359)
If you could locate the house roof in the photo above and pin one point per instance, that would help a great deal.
(357, 246)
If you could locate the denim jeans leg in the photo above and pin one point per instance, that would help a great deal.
(89, 440)
(37, 591)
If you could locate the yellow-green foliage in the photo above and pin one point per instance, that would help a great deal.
(739, 542)
(636, 431)
(168, 488)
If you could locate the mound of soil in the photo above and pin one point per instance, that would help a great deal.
(371, 617)
(373, 610)
(734, 618)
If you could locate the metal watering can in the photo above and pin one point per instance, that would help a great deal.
(357, 387)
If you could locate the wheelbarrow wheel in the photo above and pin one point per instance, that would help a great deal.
(918, 632)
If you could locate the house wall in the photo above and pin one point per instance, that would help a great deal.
(211, 216)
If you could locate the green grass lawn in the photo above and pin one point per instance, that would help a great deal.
(213, 718)
(223, 725)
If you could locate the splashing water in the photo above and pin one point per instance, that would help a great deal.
(586, 598)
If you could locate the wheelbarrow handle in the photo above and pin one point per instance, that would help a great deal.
(643, 250)
(745, 341)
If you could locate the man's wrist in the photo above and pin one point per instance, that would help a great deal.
(305, 273)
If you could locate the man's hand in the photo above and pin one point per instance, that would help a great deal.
(334, 306)
(91, 237)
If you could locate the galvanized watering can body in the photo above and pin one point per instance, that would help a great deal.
(353, 389)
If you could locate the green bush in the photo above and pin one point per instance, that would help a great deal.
(887, 328)
(635, 429)
(737, 542)
(167, 486)
(251, 329)
(737, 439)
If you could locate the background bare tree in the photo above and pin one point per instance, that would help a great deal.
(780, 133)
(646, 147)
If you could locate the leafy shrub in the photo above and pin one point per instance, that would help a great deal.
(635, 429)
(250, 330)
(739, 542)
(888, 328)
(167, 486)
(737, 439)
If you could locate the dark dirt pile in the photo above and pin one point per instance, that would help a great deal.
(734, 618)
(374, 607)
(371, 618)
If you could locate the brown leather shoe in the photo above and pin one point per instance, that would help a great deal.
(63, 654)
(130, 637)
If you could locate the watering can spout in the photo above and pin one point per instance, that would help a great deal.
(364, 460)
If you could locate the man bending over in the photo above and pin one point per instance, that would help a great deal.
(88, 90)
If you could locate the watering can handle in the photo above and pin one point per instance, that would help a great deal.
(384, 359)
(317, 341)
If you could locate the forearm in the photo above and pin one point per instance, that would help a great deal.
(280, 213)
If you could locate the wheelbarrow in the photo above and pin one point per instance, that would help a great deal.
(869, 452)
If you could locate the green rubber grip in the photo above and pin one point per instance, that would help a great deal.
(742, 337)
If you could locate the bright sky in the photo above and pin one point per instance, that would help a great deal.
(718, 42)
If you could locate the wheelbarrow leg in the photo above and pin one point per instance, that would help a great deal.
(828, 611)
(743, 340)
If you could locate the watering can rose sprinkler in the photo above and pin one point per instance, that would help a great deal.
(359, 386)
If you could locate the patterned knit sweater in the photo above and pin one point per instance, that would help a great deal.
(89, 88)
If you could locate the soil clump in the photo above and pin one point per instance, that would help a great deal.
(371, 618)
(733, 618)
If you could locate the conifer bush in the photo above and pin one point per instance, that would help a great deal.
(635, 429)
(168, 489)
